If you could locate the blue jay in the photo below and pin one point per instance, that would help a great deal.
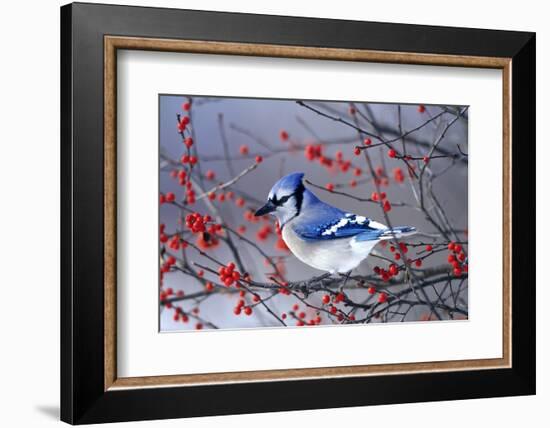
(320, 235)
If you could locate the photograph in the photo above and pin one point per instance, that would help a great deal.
(293, 213)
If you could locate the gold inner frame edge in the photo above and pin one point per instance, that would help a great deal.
(113, 43)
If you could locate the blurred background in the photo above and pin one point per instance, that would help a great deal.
(229, 133)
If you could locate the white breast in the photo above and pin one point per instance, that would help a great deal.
(331, 255)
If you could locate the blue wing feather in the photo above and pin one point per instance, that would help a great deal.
(323, 222)
(319, 221)
(341, 225)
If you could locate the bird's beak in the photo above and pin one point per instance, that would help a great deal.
(266, 209)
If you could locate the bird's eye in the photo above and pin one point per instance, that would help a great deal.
(284, 199)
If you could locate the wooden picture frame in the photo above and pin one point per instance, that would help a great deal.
(91, 390)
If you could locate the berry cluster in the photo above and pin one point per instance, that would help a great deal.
(315, 152)
(188, 159)
(182, 124)
(398, 175)
(228, 275)
(301, 317)
(403, 247)
(386, 274)
(168, 263)
(457, 258)
(376, 197)
(242, 308)
(264, 232)
(167, 198)
(198, 223)
(381, 178)
(382, 296)
(312, 152)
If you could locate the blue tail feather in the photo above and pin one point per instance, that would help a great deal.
(398, 231)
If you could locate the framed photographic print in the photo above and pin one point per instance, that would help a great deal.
(265, 213)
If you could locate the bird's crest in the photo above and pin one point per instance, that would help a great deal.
(287, 185)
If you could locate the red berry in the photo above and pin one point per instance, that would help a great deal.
(398, 175)
(243, 149)
(283, 135)
(188, 142)
(186, 106)
(418, 262)
(429, 247)
(248, 310)
(382, 297)
(357, 151)
(367, 142)
(451, 246)
(326, 299)
(371, 290)
(330, 187)
(210, 175)
(259, 159)
(170, 197)
(209, 286)
(426, 159)
(162, 199)
(421, 108)
(392, 153)
(387, 206)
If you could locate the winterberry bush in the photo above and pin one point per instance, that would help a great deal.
(223, 267)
